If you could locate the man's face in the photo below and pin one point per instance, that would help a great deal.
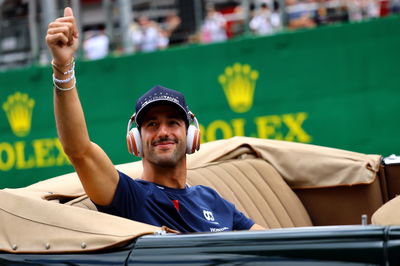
(163, 133)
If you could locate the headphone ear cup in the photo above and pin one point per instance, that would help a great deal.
(198, 133)
(193, 139)
(134, 142)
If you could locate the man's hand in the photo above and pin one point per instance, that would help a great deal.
(62, 38)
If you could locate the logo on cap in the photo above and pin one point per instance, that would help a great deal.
(160, 93)
(160, 97)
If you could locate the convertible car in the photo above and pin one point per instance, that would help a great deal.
(322, 206)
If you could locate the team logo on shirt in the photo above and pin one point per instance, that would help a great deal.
(208, 215)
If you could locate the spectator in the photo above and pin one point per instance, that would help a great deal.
(355, 8)
(372, 9)
(322, 13)
(363, 9)
(213, 28)
(261, 23)
(147, 36)
(236, 25)
(300, 15)
(276, 17)
(96, 45)
(395, 6)
(339, 12)
(169, 28)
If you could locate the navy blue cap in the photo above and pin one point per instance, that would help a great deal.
(160, 94)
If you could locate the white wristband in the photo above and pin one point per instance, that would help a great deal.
(64, 80)
(65, 89)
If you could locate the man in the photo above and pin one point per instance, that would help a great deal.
(261, 24)
(160, 197)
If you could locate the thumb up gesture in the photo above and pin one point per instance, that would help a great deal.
(62, 38)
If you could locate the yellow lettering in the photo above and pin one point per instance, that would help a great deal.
(46, 153)
(62, 158)
(281, 127)
(267, 127)
(7, 161)
(221, 125)
(294, 122)
(20, 151)
(238, 126)
(43, 152)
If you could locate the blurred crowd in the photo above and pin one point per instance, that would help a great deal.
(264, 18)
(145, 34)
(312, 13)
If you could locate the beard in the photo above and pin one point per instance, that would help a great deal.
(167, 158)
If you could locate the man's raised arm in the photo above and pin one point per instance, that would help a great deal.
(95, 169)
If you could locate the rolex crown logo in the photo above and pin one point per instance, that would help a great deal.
(18, 108)
(239, 82)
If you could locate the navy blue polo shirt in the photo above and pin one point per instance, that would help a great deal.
(192, 209)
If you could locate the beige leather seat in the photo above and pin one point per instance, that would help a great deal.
(253, 185)
(256, 189)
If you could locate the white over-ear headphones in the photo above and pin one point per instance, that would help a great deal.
(134, 140)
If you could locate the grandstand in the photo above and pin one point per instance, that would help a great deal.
(23, 23)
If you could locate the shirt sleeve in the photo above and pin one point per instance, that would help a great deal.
(125, 198)
(241, 221)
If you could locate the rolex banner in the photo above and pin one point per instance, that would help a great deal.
(336, 86)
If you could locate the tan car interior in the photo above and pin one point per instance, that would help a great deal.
(278, 184)
(257, 189)
(248, 180)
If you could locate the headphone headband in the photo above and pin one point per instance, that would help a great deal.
(130, 122)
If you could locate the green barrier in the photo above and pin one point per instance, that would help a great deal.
(335, 86)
